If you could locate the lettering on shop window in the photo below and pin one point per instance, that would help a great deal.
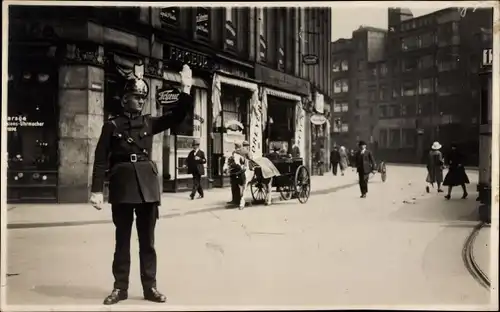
(13, 123)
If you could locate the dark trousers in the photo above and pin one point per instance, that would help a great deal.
(235, 189)
(197, 185)
(123, 217)
(363, 182)
(335, 166)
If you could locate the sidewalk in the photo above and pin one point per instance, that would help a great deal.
(423, 165)
(481, 250)
(173, 204)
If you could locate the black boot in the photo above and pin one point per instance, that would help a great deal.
(152, 294)
(116, 296)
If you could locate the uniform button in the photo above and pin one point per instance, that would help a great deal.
(119, 135)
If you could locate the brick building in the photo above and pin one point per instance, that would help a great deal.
(433, 62)
(67, 66)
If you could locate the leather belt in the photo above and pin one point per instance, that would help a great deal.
(132, 158)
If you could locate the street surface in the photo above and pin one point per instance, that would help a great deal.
(399, 246)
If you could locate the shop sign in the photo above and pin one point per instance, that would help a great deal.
(282, 80)
(14, 122)
(310, 59)
(487, 57)
(184, 56)
(202, 22)
(230, 36)
(169, 16)
(318, 119)
(167, 97)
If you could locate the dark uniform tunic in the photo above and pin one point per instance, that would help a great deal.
(125, 148)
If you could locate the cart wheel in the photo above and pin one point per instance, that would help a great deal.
(302, 184)
(259, 191)
(383, 171)
(285, 192)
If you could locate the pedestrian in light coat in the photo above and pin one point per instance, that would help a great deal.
(435, 167)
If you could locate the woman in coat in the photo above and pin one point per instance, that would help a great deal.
(435, 167)
(456, 172)
(343, 159)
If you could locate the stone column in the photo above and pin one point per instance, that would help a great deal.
(81, 117)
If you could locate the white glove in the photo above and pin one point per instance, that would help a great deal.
(186, 79)
(97, 199)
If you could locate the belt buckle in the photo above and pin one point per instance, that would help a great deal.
(133, 158)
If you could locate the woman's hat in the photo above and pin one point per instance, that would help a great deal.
(436, 145)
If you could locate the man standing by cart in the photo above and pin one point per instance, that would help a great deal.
(126, 141)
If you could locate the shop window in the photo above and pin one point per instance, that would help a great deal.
(235, 106)
(33, 119)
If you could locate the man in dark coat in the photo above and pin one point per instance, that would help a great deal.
(234, 180)
(125, 146)
(365, 164)
(195, 161)
(334, 160)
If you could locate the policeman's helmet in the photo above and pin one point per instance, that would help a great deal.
(136, 86)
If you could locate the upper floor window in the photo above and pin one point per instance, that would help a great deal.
(262, 20)
(202, 23)
(344, 65)
(336, 66)
(230, 34)
(409, 43)
(383, 69)
(170, 16)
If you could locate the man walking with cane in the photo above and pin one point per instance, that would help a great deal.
(126, 141)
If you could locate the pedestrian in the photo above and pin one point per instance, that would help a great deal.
(365, 164)
(234, 180)
(334, 160)
(435, 167)
(343, 159)
(295, 149)
(195, 161)
(456, 172)
(127, 142)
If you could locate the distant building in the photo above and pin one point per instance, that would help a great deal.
(433, 61)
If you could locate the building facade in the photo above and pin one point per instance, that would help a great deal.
(433, 64)
(76, 59)
(340, 118)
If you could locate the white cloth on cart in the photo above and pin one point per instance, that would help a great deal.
(268, 169)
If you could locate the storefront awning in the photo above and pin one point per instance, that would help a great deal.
(283, 95)
(176, 77)
(238, 83)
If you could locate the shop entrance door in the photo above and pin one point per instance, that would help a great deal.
(32, 134)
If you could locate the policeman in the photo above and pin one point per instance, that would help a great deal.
(126, 141)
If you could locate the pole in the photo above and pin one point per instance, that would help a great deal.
(175, 160)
